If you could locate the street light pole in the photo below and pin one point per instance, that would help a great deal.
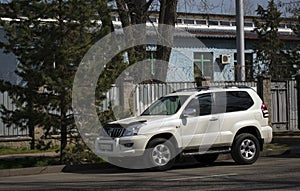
(239, 6)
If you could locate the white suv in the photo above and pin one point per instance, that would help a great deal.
(202, 122)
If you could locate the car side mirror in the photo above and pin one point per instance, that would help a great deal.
(189, 112)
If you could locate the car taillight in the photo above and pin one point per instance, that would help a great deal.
(264, 110)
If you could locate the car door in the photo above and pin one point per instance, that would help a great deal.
(199, 128)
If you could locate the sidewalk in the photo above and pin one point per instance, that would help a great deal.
(292, 141)
(43, 154)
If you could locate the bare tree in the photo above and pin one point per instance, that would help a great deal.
(133, 12)
(249, 7)
(291, 7)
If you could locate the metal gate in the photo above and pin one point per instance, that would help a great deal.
(284, 106)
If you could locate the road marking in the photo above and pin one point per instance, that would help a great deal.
(202, 177)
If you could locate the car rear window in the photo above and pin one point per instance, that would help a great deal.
(234, 100)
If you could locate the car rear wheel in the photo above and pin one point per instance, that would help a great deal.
(245, 149)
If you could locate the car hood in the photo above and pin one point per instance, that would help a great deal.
(142, 119)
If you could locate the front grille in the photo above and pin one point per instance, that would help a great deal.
(114, 131)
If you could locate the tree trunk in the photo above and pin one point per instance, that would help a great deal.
(167, 16)
(63, 130)
(31, 125)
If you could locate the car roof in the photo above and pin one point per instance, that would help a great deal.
(199, 90)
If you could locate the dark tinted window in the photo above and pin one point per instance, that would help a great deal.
(238, 101)
(234, 101)
(205, 103)
(202, 104)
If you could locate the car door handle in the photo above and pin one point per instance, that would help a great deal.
(213, 119)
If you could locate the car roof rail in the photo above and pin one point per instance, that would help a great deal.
(201, 88)
(236, 86)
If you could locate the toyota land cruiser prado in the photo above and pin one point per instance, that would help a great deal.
(201, 122)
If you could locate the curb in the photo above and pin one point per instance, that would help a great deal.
(272, 153)
(53, 169)
(31, 171)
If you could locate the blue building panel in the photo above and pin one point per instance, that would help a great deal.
(181, 65)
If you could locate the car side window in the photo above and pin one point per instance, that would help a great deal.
(205, 103)
(232, 101)
(238, 101)
(193, 105)
(202, 104)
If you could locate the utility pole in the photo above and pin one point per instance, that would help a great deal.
(240, 41)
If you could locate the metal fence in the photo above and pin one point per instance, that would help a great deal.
(284, 106)
(283, 94)
(292, 109)
(145, 94)
(9, 131)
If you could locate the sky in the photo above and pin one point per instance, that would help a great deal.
(227, 6)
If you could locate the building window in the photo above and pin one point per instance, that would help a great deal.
(201, 22)
(179, 21)
(188, 21)
(248, 24)
(203, 65)
(224, 23)
(213, 23)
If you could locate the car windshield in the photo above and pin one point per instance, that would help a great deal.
(165, 105)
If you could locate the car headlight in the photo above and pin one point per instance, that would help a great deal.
(132, 129)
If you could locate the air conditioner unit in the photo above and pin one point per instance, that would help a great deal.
(225, 59)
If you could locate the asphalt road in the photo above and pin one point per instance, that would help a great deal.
(268, 173)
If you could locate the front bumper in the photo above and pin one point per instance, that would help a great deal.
(121, 147)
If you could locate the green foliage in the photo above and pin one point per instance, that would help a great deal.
(273, 57)
(79, 153)
(49, 39)
(295, 53)
(8, 150)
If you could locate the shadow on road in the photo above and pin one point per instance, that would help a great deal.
(111, 169)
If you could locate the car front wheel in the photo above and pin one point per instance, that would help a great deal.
(160, 154)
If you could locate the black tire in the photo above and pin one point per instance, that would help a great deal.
(245, 149)
(207, 159)
(160, 154)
